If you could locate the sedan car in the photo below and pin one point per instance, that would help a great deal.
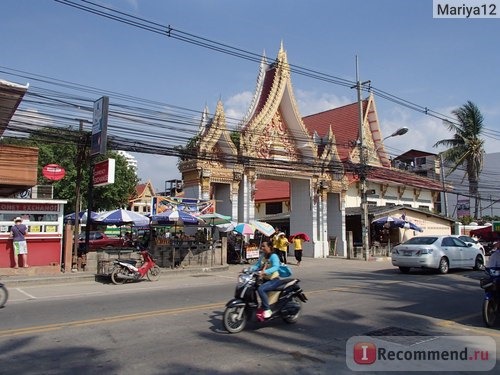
(436, 252)
(471, 240)
(99, 240)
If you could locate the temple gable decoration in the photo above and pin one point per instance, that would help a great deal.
(273, 128)
(214, 135)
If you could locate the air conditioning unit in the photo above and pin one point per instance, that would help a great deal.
(42, 192)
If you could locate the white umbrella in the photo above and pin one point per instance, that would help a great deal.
(122, 217)
(265, 228)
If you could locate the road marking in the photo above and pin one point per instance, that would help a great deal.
(25, 293)
(111, 319)
(456, 324)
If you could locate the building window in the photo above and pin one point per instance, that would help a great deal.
(274, 208)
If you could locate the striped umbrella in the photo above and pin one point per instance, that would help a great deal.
(175, 216)
(244, 228)
(122, 217)
(265, 228)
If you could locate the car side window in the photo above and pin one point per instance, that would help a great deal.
(99, 236)
(458, 243)
(447, 241)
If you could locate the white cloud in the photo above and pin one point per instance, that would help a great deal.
(236, 108)
(310, 102)
(424, 131)
(157, 168)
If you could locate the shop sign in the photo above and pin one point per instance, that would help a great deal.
(53, 172)
(104, 172)
(28, 207)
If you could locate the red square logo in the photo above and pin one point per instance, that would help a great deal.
(365, 353)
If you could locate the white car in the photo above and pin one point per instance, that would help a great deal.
(468, 239)
(437, 252)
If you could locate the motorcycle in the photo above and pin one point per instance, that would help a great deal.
(125, 269)
(4, 295)
(491, 304)
(285, 302)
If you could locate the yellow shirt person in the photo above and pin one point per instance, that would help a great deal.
(297, 244)
(282, 245)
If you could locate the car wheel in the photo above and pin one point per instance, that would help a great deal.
(404, 269)
(479, 263)
(444, 266)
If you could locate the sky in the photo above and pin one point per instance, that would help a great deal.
(401, 49)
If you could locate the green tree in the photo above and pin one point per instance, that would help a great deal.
(466, 148)
(61, 146)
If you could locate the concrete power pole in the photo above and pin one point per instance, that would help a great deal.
(362, 173)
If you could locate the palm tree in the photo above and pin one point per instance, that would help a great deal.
(466, 148)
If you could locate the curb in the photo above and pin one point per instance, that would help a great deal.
(87, 276)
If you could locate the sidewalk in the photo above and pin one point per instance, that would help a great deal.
(52, 275)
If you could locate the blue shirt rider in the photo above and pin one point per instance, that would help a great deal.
(268, 265)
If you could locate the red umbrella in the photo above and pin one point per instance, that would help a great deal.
(301, 235)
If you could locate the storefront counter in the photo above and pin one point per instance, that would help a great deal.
(44, 220)
(43, 250)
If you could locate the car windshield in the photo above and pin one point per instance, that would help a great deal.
(467, 239)
(421, 241)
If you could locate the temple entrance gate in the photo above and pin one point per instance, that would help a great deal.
(271, 143)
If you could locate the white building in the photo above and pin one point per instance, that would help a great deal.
(131, 160)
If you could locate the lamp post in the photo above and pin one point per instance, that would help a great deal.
(400, 131)
(364, 197)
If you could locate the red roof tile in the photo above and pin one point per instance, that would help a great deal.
(344, 122)
(272, 190)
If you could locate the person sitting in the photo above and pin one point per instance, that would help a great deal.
(267, 265)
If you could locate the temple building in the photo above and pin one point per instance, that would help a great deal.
(317, 156)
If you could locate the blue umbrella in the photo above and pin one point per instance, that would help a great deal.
(174, 216)
(82, 215)
(122, 217)
(395, 222)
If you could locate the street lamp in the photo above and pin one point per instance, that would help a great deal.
(364, 197)
(400, 131)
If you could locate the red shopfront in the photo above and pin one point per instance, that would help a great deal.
(44, 219)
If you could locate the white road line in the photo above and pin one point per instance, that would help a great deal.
(25, 293)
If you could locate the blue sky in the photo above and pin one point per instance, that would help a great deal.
(435, 63)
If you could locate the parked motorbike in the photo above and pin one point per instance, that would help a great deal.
(285, 302)
(491, 304)
(4, 295)
(125, 269)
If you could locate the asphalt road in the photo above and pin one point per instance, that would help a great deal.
(174, 326)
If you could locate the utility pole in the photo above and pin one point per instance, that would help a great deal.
(82, 149)
(445, 197)
(362, 172)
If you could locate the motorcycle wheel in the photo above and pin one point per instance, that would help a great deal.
(115, 277)
(292, 319)
(232, 323)
(154, 273)
(4, 296)
(490, 311)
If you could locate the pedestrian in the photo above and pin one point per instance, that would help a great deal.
(297, 244)
(282, 245)
(18, 232)
(274, 240)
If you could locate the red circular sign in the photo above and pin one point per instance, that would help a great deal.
(53, 172)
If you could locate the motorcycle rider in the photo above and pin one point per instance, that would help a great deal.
(267, 265)
(494, 260)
